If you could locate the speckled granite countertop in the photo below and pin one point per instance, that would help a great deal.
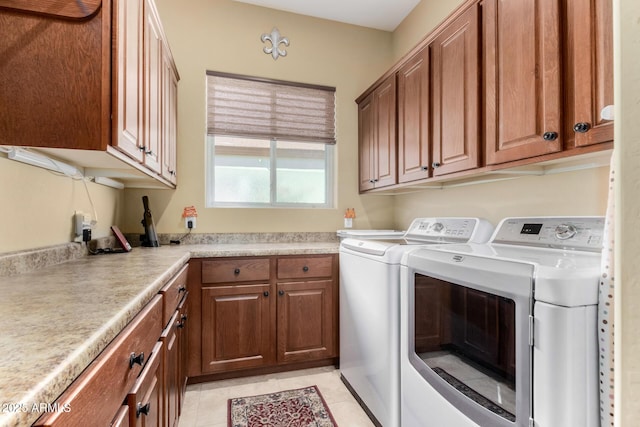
(57, 319)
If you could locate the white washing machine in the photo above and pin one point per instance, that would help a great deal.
(369, 309)
(504, 334)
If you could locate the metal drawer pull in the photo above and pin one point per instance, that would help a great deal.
(182, 321)
(305, 268)
(133, 359)
(236, 271)
(182, 289)
(143, 409)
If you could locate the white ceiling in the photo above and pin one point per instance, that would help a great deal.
(379, 14)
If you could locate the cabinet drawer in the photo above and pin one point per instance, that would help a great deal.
(235, 270)
(99, 391)
(122, 418)
(145, 398)
(172, 293)
(300, 268)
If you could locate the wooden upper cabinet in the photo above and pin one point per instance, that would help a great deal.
(128, 80)
(170, 115)
(413, 118)
(377, 136)
(153, 67)
(365, 143)
(94, 82)
(455, 95)
(385, 131)
(522, 80)
(52, 92)
(589, 71)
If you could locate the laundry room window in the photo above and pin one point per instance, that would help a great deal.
(269, 143)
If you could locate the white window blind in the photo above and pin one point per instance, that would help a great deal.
(256, 108)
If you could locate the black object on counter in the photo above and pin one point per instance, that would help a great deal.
(149, 238)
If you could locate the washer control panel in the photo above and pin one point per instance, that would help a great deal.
(577, 233)
(449, 230)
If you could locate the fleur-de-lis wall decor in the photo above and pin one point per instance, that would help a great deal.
(276, 40)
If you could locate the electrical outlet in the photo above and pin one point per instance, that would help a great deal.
(82, 226)
(190, 222)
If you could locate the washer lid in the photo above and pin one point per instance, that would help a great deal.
(372, 247)
(371, 234)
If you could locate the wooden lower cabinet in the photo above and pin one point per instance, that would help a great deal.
(284, 312)
(305, 321)
(99, 391)
(146, 399)
(139, 378)
(237, 327)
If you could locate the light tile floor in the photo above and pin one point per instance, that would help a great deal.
(205, 404)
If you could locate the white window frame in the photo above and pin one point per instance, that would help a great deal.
(273, 203)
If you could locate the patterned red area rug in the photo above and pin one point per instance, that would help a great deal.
(304, 407)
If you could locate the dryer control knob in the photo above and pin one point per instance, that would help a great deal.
(565, 231)
(437, 227)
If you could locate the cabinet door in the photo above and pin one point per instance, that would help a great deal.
(413, 118)
(589, 71)
(455, 98)
(238, 324)
(366, 134)
(306, 329)
(384, 149)
(153, 65)
(377, 136)
(522, 79)
(170, 118)
(128, 76)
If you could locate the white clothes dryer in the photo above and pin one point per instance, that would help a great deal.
(369, 309)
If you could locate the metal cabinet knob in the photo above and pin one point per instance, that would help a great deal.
(236, 271)
(581, 127)
(266, 293)
(305, 268)
(550, 136)
(143, 409)
(182, 289)
(281, 293)
(424, 168)
(133, 359)
(435, 165)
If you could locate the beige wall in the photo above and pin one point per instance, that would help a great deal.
(223, 35)
(422, 19)
(37, 206)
